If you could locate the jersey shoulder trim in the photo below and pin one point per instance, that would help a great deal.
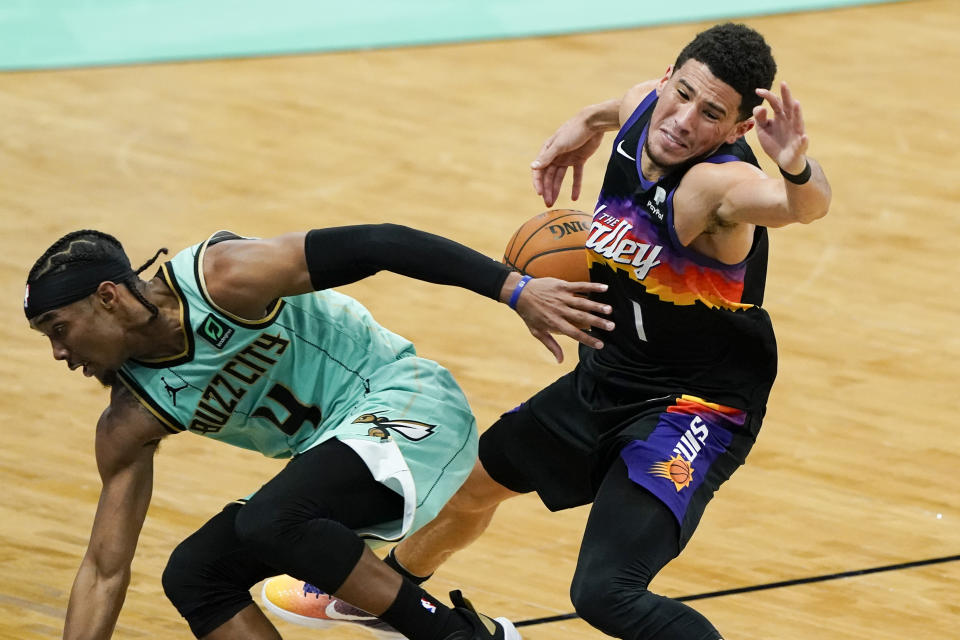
(738, 151)
(169, 423)
(216, 238)
(169, 276)
(641, 109)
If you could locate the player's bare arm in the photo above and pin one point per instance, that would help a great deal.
(717, 205)
(577, 139)
(794, 197)
(245, 276)
(127, 438)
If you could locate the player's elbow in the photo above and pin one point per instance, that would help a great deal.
(811, 207)
(815, 204)
(812, 215)
(109, 569)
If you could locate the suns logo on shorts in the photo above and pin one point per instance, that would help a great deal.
(409, 429)
(676, 470)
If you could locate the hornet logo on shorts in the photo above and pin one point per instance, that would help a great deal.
(409, 429)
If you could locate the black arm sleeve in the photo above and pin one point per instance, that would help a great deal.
(341, 255)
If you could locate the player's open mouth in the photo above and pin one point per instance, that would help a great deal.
(672, 139)
(87, 371)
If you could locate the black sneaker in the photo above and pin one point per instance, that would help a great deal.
(482, 627)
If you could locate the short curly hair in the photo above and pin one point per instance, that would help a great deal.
(737, 55)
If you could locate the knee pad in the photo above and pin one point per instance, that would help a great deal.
(258, 527)
(178, 579)
(207, 580)
(320, 551)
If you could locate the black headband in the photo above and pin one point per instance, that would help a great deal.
(78, 281)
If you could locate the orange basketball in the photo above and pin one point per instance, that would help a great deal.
(551, 244)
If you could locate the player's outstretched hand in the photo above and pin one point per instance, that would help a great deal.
(782, 137)
(569, 146)
(549, 306)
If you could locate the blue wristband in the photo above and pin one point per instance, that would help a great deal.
(518, 290)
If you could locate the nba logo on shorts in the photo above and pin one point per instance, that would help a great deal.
(429, 606)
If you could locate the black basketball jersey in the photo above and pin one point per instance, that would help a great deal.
(686, 323)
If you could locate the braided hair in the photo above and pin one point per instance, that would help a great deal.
(88, 246)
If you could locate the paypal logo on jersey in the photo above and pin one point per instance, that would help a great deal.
(659, 197)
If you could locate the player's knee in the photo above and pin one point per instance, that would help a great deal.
(322, 548)
(479, 493)
(590, 601)
(181, 580)
(204, 591)
(626, 609)
(609, 606)
(468, 500)
(262, 527)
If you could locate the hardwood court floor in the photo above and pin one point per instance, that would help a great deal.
(856, 465)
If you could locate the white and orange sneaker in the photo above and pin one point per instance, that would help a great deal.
(301, 603)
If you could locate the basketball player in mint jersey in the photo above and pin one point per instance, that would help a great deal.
(650, 426)
(242, 341)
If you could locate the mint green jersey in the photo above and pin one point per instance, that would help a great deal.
(317, 366)
(273, 385)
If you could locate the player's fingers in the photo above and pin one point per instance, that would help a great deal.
(760, 115)
(797, 117)
(546, 154)
(774, 101)
(586, 287)
(786, 95)
(577, 181)
(586, 304)
(584, 319)
(550, 343)
(556, 183)
(538, 181)
(547, 184)
(581, 308)
(580, 336)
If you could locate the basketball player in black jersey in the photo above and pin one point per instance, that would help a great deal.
(650, 426)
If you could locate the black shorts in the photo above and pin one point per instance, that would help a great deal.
(562, 441)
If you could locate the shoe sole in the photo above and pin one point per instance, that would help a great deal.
(509, 631)
(317, 623)
(289, 616)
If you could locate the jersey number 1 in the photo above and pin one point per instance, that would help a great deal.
(638, 321)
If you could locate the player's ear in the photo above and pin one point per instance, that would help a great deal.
(663, 81)
(740, 129)
(107, 295)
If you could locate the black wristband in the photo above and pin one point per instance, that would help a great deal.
(797, 178)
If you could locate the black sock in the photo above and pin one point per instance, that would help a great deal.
(394, 564)
(419, 616)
